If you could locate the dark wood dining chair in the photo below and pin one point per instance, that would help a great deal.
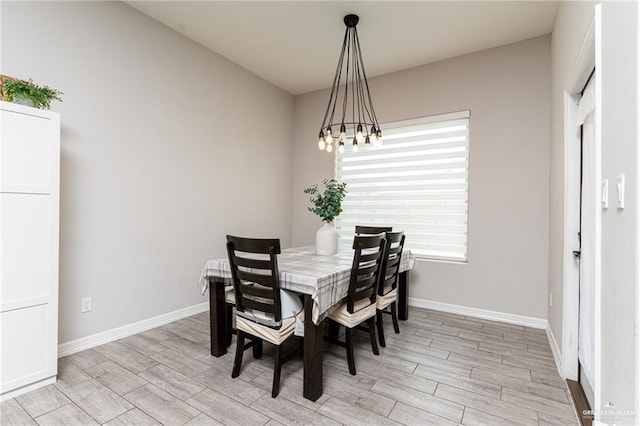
(386, 302)
(256, 282)
(360, 306)
(372, 230)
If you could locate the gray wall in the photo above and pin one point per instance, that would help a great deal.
(507, 90)
(166, 147)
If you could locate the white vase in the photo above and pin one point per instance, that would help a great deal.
(327, 239)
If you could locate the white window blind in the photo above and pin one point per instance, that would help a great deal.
(416, 182)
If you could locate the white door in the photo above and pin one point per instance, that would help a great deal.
(589, 217)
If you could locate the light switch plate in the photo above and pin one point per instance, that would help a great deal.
(620, 189)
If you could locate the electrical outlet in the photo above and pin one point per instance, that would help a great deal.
(85, 304)
(551, 300)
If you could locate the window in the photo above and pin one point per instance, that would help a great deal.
(417, 182)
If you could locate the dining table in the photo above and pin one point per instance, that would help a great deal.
(323, 282)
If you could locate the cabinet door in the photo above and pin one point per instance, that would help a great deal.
(27, 353)
(25, 250)
(25, 152)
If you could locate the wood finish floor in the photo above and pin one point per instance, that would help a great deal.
(442, 369)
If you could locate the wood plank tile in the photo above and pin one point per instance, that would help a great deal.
(11, 413)
(182, 364)
(201, 326)
(462, 324)
(161, 405)
(202, 420)
(472, 352)
(412, 416)
(548, 379)
(484, 336)
(84, 359)
(524, 386)
(544, 405)
(132, 417)
(128, 358)
(450, 365)
(483, 403)
(462, 382)
(367, 361)
(68, 415)
(94, 398)
(171, 381)
(473, 417)
(419, 348)
(158, 334)
(426, 402)
(286, 412)
(429, 330)
(240, 390)
(118, 379)
(548, 420)
(41, 401)
(69, 374)
(526, 338)
(336, 365)
(505, 327)
(518, 372)
(142, 344)
(444, 338)
(186, 347)
(180, 329)
(545, 366)
(352, 415)
(502, 347)
(226, 410)
(365, 399)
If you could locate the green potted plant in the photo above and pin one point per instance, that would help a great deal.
(328, 205)
(28, 93)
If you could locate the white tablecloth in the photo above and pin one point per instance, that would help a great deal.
(325, 278)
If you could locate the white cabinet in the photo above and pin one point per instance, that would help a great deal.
(29, 223)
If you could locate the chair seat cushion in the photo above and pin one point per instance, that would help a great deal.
(271, 335)
(383, 301)
(363, 309)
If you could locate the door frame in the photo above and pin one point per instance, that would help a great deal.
(588, 58)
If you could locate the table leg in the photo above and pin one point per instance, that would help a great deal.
(403, 296)
(312, 383)
(217, 317)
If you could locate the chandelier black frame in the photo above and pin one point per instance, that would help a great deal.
(354, 95)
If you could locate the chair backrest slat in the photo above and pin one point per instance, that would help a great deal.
(391, 261)
(254, 270)
(268, 308)
(263, 280)
(245, 262)
(365, 269)
(372, 230)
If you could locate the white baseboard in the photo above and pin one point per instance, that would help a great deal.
(97, 339)
(480, 313)
(556, 351)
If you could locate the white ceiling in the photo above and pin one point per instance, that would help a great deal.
(295, 44)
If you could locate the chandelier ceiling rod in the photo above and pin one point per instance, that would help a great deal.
(356, 98)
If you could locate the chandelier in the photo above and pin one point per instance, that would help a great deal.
(350, 91)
